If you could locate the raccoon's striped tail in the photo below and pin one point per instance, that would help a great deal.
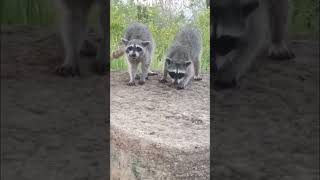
(118, 53)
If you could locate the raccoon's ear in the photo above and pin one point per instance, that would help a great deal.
(188, 63)
(124, 41)
(145, 43)
(249, 8)
(168, 60)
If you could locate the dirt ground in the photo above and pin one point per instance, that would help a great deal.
(269, 128)
(158, 132)
(51, 127)
(54, 128)
(171, 115)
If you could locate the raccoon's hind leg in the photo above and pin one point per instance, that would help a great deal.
(278, 13)
(144, 73)
(197, 70)
(132, 72)
(150, 73)
(165, 74)
(73, 22)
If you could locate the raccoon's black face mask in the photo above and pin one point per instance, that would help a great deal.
(135, 48)
(230, 18)
(177, 71)
(134, 51)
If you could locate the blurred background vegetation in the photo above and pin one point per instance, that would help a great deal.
(163, 17)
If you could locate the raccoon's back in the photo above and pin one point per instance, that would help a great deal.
(138, 31)
(191, 38)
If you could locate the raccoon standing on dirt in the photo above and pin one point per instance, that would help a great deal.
(138, 47)
(183, 58)
(243, 28)
(73, 22)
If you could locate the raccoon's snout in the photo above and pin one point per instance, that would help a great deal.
(225, 44)
(133, 55)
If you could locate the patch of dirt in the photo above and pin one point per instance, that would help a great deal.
(158, 112)
(269, 128)
(51, 127)
(158, 132)
(54, 127)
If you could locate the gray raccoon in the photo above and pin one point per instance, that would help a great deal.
(73, 22)
(138, 47)
(244, 28)
(183, 58)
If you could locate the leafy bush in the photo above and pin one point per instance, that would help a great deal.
(163, 27)
(304, 19)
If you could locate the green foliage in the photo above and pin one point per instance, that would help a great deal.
(163, 27)
(305, 17)
(34, 12)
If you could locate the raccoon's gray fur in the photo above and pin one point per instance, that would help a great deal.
(73, 22)
(243, 29)
(183, 58)
(138, 47)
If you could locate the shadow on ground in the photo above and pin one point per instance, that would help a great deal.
(269, 128)
(51, 127)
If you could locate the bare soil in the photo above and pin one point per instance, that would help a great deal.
(51, 127)
(54, 127)
(268, 129)
(158, 132)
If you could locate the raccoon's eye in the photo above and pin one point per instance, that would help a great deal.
(139, 49)
(172, 74)
(130, 48)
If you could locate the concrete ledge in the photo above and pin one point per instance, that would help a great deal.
(158, 132)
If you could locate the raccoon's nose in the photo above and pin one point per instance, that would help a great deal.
(133, 55)
(225, 44)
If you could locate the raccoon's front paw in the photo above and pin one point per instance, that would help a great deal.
(68, 70)
(280, 52)
(197, 78)
(225, 79)
(163, 81)
(141, 82)
(131, 83)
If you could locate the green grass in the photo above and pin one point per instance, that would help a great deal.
(163, 29)
(31, 12)
(304, 19)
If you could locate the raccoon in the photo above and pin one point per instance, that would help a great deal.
(138, 45)
(243, 29)
(183, 58)
(73, 22)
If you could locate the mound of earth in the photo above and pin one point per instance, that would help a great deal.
(54, 127)
(269, 127)
(51, 127)
(159, 132)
